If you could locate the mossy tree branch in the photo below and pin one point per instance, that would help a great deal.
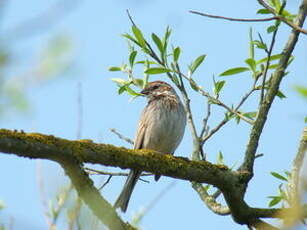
(70, 155)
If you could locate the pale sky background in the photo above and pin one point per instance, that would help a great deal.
(95, 27)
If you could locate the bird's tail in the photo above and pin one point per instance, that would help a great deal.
(124, 197)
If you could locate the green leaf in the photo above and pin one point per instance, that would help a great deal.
(305, 119)
(273, 58)
(158, 43)
(139, 36)
(301, 90)
(115, 68)
(168, 32)
(277, 5)
(129, 37)
(260, 45)
(218, 87)
(280, 95)
(263, 11)
(148, 62)
(121, 89)
(273, 66)
(206, 187)
(235, 70)
(250, 115)
(132, 92)
(251, 63)
(238, 119)
(120, 81)
(196, 63)
(193, 85)
(271, 29)
(176, 53)
(290, 60)
(2, 206)
(138, 82)
(175, 79)
(132, 57)
(278, 176)
(220, 158)
(274, 201)
(157, 70)
(251, 44)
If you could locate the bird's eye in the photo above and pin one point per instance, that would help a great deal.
(155, 87)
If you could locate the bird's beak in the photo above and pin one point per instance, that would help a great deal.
(144, 92)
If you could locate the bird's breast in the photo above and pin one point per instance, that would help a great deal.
(165, 128)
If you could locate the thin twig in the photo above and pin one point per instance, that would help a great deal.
(205, 128)
(43, 198)
(244, 98)
(234, 19)
(130, 18)
(210, 201)
(275, 17)
(225, 120)
(105, 183)
(278, 17)
(100, 172)
(120, 136)
(196, 143)
(150, 206)
(269, 53)
(215, 100)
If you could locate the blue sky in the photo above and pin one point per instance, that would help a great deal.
(95, 27)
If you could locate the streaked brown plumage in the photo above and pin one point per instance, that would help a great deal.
(161, 128)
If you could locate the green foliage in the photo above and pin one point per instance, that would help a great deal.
(220, 158)
(56, 58)
(283, 193)
(155, 63)
(234, 71)
(218, 86)
(157, 70)
(302, 90)
(195, 64)
(249, 115)
(176, 53)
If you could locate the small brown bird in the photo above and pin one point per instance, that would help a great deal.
(160, 128)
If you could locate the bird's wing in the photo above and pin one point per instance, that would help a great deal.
(139, 140)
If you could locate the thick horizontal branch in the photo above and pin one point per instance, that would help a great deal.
(35, 145)
(70, 153)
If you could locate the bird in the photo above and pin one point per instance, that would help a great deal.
(161, 128)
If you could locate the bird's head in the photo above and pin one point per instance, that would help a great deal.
(158, 89)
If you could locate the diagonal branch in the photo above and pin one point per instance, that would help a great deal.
(257, 128)
(90, 195)
(296, 169)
